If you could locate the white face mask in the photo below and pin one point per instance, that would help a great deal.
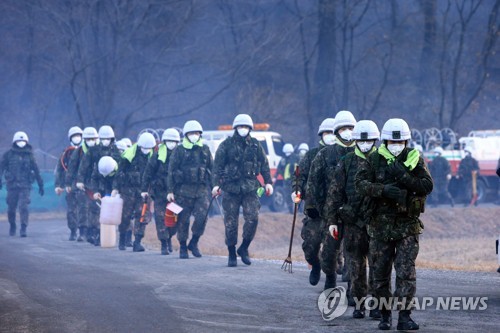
(171, 145)
(106, 142)
(90, 142)
(146, 151)
(21, 144)
(329, 139)
(396, 148)
(288, 154)
(193, 137)
(302, 153)
(76, 140)
(346, 135)
(243, 132)
(365, 146)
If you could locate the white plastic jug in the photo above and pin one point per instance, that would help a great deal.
(111, 210)
(108, 235)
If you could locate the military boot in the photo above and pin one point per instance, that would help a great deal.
(193, 246)
(183, 251)
(137, 244)
(97, 237)
(90, 235)
(12, 229)
(243, 252)
(386, 321)
(405, 323)
(164, 250)
(315, 274)
(121, 244)
(359, 313)
(72, 236)
(231, 260)
(82, 237)
(331, 281)
(128, 238)
(375, 311)
(22, 233)
(169, 245)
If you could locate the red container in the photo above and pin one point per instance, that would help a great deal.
(170, 219)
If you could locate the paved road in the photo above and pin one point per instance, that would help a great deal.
(48, 284)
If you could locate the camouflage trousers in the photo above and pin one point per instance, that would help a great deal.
(331, 249)
(132, 209)
(231, 204)
(197, 207)
(18, 198)
(81, 208)
(94, 211)
(311, 235)
(402, 253)
(160, 204)
(440, 190)
(356, 249)
(72, 210)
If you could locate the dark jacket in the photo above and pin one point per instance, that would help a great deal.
(63, 166)
(20, 169)
(131, 166)
(155, 177)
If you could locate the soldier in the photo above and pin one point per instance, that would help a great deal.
(75, 139)
(102, 179)
(286, 168)
(90, 137)
(320, 179)
(127, 182)
(154, 181)
(311, 229)
(88, 165)
(303, 149)
(467, 166)
(397, 181)
(441, 173)
(344, 212)
(238, 161)
(20, 169)
(189, 180)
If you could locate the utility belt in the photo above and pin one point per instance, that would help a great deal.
(407, 205)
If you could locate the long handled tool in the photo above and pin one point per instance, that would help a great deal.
(474, 188)
(209, 206)
(287, 264)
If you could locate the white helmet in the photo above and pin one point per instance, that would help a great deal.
(343, 119)
(20, 136)
(171, 134)
(396, 129)
(90, 133)
(243, 120)
(365, 130)
(75, 130)
(192, 126)
(127, 142)
(122, 146)
(146, 140)
(287, 148)
(438, 150)
(327, 125)
(106, 132)
(303, 146)
(106, 165)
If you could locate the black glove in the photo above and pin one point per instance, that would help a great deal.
(312, 213)
(41, 191)
(396, 169)
(391, 192)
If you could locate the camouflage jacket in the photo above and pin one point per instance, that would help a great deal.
(131, 166)
(439, 168)
(343, 203)
(155, 177)
(467, 165)
(62, 166)
(20, 169)
(286, 167)
(74, 164)
(101, 184)
(90, 160)
(304, 168)
(393, 219)
(190, 170)
(321, 175)
(238, 162)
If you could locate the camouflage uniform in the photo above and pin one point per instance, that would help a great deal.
(82, 199)
(394, 223)
(344, 208)
(238, 162)
(440, 169)
(311, 229)
(60, 181)
(189, 178)
(154, 181)
(467, 165)
(21, 170)
(128, 182)
(320, 178)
